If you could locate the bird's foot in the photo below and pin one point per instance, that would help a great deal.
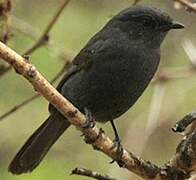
(90, 121)
(119, 152)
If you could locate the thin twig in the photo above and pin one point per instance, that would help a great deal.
(30, 99)
(27, 29)
(45, 35)
(5, 28)
(19, 106)
(90, 173)
(5, 14)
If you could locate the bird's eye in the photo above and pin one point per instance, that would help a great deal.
(147, 22)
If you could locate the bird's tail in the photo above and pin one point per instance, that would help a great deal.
(37, 146)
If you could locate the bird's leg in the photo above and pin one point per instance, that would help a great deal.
(90, 123)
(117, 143)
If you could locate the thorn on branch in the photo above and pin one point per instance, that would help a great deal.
(26, 58)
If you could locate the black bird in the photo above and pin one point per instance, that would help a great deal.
(107, 77)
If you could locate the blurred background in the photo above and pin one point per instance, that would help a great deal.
(145, 129)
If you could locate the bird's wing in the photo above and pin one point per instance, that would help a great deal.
(82, 61)
(85, 57)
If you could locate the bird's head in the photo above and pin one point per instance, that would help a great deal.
(145, 24)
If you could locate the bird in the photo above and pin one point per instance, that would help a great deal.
(106, 77)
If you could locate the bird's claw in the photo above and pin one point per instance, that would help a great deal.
(90, 121)
(119, 152)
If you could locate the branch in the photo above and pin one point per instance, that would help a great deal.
(181, 125)
(191, 6)
(96, 137)
(89, 173)
(185, 157)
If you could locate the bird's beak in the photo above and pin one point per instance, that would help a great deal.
(176, 25)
